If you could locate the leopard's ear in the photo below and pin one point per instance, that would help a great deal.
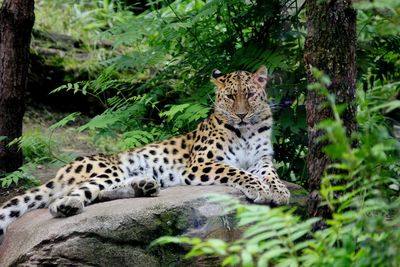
(215, 77)
(261, 76)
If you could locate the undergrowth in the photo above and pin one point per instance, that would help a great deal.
(39, 148)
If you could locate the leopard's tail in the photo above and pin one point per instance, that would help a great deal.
(36, 198)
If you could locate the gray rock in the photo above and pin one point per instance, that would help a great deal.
(118, 233)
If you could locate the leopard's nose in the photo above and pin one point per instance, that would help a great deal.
(241, 115)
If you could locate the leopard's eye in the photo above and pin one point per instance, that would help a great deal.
(261, 79)
(230, 96)
(250, 94)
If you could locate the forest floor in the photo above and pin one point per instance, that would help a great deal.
(66, 144)
(67, 141)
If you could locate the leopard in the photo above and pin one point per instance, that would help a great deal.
(231, 147)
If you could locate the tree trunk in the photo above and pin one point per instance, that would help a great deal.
(331, 47)
(16, 22)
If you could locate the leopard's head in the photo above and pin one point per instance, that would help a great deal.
(241, 98)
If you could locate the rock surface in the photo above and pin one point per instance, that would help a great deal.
(118, 233)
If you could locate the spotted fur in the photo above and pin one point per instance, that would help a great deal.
(230, 147)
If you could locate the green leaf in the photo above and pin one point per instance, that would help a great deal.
(267, 256)
(247, 259)
(175, 109)
(232, 260)
(388, 107)
(64, 121)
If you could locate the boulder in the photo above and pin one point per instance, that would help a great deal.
(118, 233)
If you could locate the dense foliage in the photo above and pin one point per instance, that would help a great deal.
(150, 73)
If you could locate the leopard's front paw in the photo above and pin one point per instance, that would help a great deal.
(66, 206)
(280, 195)
(258, 193)
(266, 193)
(146, 188)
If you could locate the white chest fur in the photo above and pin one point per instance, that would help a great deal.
(249, 148)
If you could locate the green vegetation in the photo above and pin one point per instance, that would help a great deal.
(149, 72)
(39, 147)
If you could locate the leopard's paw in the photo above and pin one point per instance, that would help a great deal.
(146, 188)
(280, 195)
(66, 206)
(258, 193)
